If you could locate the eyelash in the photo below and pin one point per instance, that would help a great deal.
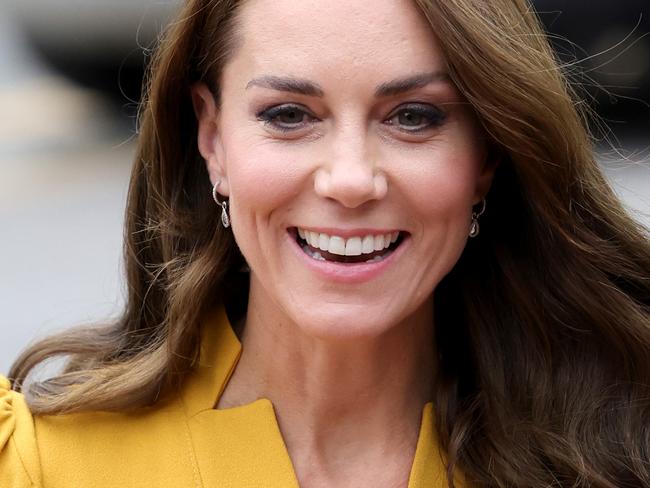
(270, 115)
(436, 117)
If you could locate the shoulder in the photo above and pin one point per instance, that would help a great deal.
(149, 446)
(19, 460)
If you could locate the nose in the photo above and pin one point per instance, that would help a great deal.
(351, 175)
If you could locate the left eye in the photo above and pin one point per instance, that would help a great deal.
(285, 117)
(416, 117)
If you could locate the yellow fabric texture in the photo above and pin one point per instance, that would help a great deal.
(180, 442)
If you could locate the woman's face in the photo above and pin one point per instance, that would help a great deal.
(338, 134)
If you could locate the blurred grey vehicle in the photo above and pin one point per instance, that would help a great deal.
(104, 44)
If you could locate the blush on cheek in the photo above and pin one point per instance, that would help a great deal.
(446, 195)
(264, 190)
(257, 177)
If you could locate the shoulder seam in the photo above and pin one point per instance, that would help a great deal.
(196, 474)
(12, 443)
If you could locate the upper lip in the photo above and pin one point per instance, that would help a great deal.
(352, 232)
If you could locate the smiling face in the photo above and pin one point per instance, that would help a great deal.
(350, 160)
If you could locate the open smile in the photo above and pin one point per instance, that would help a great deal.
(368, 248)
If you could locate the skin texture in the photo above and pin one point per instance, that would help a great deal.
(348, 365)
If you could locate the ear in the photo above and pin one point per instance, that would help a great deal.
(491, 162)
(208, 140)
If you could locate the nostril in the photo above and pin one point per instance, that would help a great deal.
(351, 187)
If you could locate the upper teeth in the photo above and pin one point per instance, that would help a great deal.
(354, 246)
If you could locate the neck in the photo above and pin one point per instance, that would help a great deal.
(337, 400)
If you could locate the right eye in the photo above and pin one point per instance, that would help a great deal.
(286, 117)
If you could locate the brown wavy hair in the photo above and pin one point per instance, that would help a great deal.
(543, 326)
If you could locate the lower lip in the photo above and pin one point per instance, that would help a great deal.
(350, 273)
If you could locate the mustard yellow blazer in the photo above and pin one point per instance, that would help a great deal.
(182, 442)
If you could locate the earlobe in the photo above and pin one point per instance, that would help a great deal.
(206, 112)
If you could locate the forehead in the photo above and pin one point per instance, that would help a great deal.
(386, 38)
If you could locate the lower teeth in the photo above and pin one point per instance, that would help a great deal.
(376, 259)
(313, 254)
(319, 257)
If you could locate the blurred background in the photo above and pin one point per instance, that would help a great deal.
(70, 76)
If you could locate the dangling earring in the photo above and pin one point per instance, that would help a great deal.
(474, 227)
(225, 218)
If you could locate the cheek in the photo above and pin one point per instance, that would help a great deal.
(436, 181)
(440, 199)
(441, 185)
(259, 170)
(262, 178)
(441, 192)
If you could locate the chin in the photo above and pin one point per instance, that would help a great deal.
(345, 321)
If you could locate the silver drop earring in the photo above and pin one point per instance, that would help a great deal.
(225, 218)
(474, 227)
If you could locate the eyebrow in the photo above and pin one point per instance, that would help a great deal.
(288, 84)
(309, 88)
(403, 85)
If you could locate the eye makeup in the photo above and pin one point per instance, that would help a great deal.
(415, 118)
(411, 118)
(286, 117)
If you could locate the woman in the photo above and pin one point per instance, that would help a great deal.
(443, 290)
